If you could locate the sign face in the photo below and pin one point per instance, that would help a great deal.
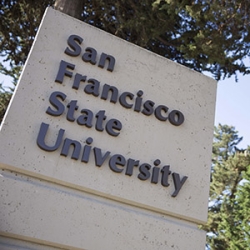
(96, 113)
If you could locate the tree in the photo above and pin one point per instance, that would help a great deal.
(18, 26)
(73, 8)
(208, 36)
(5, 96)
(235, 221)
(228, 216)
(240, 233)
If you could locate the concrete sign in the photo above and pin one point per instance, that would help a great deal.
(112, 121)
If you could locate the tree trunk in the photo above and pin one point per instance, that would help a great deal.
(73, 8)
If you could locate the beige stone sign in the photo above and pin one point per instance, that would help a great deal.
(105, 145)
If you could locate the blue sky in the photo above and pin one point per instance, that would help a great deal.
(232, 105)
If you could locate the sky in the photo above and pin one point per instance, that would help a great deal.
(232, 105)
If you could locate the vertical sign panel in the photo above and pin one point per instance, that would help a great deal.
(100, 115)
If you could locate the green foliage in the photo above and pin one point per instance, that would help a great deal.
(241, 217)
(5, 96)
(208, 36)
(229, 215)
(18, 26)
(235, 220)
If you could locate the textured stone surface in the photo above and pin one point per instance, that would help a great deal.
(63, 216)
